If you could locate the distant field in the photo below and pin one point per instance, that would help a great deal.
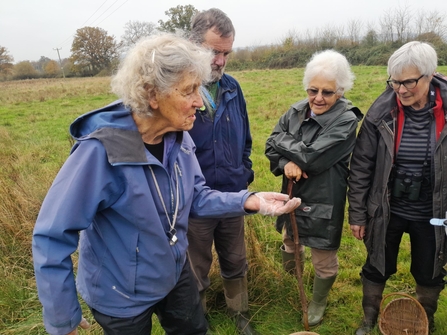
(34, 143)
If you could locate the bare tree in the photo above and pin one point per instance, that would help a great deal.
(419, 22)
(135, 30)
(435, 23)
(290, 39)
(329, 36)
(430, 26)
(371, 37)
(309, 38)
(402, 18)
(354, 29)
(386, 27)
(339, 35)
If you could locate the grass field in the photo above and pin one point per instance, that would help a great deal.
(34, 143)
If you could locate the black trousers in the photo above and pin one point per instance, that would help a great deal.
(423, 248)
(179, 313)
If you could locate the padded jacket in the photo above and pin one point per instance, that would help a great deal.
(371, 168)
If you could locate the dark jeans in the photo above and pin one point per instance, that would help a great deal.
(423, 245)
(179, 313)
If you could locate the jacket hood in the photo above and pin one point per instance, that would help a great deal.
(115, 128)
(114, 115)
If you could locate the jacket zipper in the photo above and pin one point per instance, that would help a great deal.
(119, 292)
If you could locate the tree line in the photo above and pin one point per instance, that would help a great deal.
(94, 52)
(362, 43)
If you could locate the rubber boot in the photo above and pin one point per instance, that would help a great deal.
(372, 297)
(428, 297)
(236, 297)
(288, 261)
(318, 304)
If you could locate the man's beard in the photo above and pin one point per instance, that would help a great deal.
(216, 74)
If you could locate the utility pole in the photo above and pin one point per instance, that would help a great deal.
(60, 62)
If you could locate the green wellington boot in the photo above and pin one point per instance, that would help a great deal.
(288, 261)
(318, 304)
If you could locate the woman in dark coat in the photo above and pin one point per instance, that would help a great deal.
(311, 145)
(397, 183)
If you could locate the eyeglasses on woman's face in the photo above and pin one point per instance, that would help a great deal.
(409, 83)
(312, 92)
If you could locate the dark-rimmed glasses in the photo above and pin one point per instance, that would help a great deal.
(409, 83)
(312, 92)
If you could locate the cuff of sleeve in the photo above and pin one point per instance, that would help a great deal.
(244, 198)
(64, 327)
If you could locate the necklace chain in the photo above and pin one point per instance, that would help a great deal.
(172, 232)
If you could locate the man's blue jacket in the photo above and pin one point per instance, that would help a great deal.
(224, 144)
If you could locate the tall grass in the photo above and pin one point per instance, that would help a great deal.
(34, 143)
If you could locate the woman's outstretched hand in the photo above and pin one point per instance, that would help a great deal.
(271, 203)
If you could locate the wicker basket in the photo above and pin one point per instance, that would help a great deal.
(404, 315)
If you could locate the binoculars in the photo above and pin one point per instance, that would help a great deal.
(406, 183)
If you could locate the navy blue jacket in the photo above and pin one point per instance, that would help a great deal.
(223, 147)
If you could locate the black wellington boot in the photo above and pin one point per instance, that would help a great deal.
(428, 297)
(372, 297)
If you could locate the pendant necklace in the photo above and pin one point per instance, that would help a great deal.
(172, 231)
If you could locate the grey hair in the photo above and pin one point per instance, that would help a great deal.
(210, 19)
(333, 66)
(416, 54)
(156, 64)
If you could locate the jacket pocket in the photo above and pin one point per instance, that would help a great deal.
(315, 220)
(372, 210)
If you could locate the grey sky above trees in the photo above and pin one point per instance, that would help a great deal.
(30, 29)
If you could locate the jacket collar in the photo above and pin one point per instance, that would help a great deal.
(341, 106)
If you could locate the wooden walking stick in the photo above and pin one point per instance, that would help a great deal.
(298, 270)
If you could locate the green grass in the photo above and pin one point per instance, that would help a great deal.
(34, 143)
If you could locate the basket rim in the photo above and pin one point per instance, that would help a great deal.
(402, 296)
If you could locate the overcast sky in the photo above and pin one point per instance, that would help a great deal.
(30, 29)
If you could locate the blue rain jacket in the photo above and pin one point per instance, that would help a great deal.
(224, 143)
(106, 191)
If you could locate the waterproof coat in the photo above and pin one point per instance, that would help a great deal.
(371, 168)
(106, 190)
(224, 142)
(321, 147)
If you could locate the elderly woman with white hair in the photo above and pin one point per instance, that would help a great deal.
(311, 146)
(398, 180)
(129, 186)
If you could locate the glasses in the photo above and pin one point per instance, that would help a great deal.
(409, 83)
(312, 92)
